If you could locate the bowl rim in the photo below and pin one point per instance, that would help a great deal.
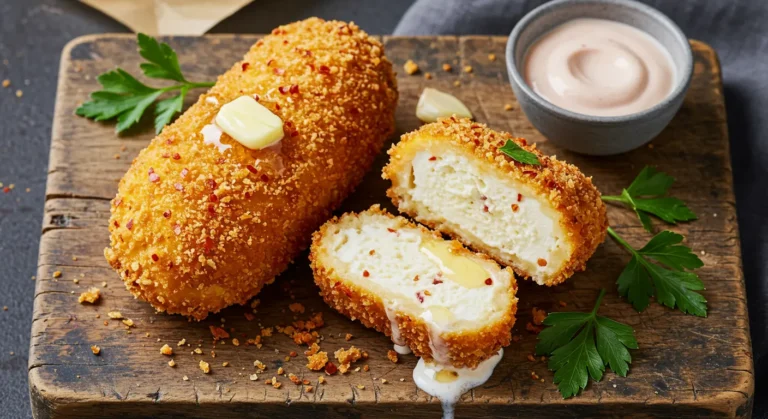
(680, 88)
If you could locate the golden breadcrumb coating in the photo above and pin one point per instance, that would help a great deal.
(194, 230)
(568, 191)
(466, 348)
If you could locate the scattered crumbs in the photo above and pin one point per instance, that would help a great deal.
(90, 296)
(198, 351)
(253, 377)
(428, 76)
(171, 363)
(383, 381)
(28, 190)
(447, 67)
(76, 281)
(115, 315)
(6, 83)
(235, 342)
(614, 386)
(128, 322)
(562, 303)
(533, 329)
(703, 253)
(166, 350)
(185, 378)
(531, 358)
(205, 367)
(181, 342)
(357, 369)
(534, 375)
(294, 379)
(74, 258)
(538, 316)
(33, 277)
(95, 349)
(321, 379)
(308, 389)
(492, 57)
(714, 215)
(348, 337)
(361, 387)
(57, 274)
(410, 67)
(280, 371)
(507, 107)
(260, 365)
(116, 156)
(468, 69)
(225, 364)
(5, 308)
(19, 93)
(317, 361)
(392, 356)
(457, 83)
(104, 284)
(650, 146)
(296, 308)
(402, 379)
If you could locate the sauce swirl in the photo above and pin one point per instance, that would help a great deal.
(599, 67)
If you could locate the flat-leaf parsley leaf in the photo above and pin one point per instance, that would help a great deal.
(581, 345)
(668, 280)
(517, 153)
(127, 99)
(645, 196)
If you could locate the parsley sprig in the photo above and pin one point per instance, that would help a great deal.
(127, 99)
(517, 153)
(667, 279)
(581, 345)
(646, 196)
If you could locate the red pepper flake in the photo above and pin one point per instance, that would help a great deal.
(218, 333)
(155, 257)
(169, 141)
(270, 61)
(208, 246)
(179, 187)
(184, 172)
(366, 274)
(294, 89)
(436, 281)
(485, 208)
(176, 156)
(483, 197)
(6, 189)
(523, 141)
(177, 229)
(419, 296)
(151, 170)
(324, 69)
(116, 224)
(167, 214)
(251, 169)
(213, 198)
(256, 97)
(170, 265)
(433, 158)
(245, 66)
(264, 178)
(279, 71)
(541, 262)
(118, 202)
(129, 225)
(390, 230)
(515, 207)
(488, 281)
(211, 209)
(519, 197)
(283, 89)
(154, 177)
(211, 183)
(277, 106)
(330, 368)
(165, 155)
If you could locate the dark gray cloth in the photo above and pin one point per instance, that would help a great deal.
(738, 30)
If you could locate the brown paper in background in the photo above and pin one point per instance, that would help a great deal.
(168, 17)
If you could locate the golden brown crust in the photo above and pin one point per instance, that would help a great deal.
(567, 189)
(465, 349)
(213, 228)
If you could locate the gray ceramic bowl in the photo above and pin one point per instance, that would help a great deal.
(598, 135)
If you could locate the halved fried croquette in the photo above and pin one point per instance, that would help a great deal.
(449, 305)
(545, 221)
(197, 226)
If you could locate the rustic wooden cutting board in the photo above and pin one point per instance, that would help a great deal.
(686, 366)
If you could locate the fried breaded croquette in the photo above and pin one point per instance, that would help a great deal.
(545, 221)
(195, 229)
(445, 303)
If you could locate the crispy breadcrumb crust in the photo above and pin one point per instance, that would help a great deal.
(194, 230)
(465, 348)
(567, 190)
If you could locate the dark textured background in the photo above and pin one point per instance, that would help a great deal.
(33, 33)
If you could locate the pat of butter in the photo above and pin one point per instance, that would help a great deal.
(434, 104)
(249, 123)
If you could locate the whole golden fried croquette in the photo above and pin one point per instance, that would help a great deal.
(194, 230)
(544, 221)
(450, 306)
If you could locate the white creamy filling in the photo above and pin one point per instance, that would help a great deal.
(486, 209)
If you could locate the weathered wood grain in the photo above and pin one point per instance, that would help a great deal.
(685, 367)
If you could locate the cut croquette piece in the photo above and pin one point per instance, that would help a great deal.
(446, 303)
(197, 227)
(545, 221)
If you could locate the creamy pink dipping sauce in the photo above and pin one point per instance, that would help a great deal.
(599, 67)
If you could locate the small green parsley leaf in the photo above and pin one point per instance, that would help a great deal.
(127, 99)
(581, 345)
(517, 153)
(644, 196)
(668, 280)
